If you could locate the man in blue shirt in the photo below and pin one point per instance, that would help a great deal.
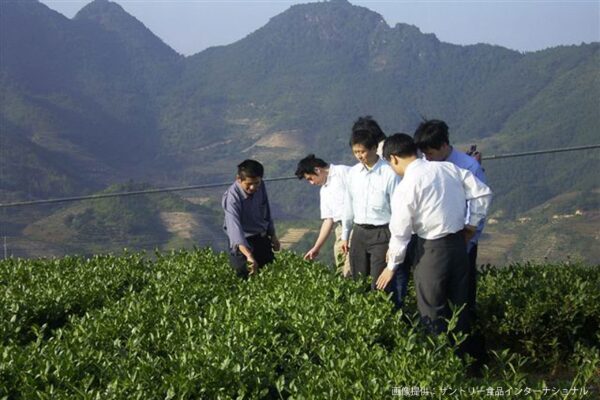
(248, 222)
(367, 211)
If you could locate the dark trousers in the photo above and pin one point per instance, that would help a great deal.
(475, 343)
(399, 284)
(402, 275)
(442, 277)
(262, 251)
(472, 299)
(368, 247)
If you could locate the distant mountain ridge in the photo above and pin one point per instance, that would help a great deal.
(99, 99)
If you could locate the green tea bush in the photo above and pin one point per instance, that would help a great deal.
(300, 331)
(123, 350)
(296, 330)
(541, 311)
(42, 294)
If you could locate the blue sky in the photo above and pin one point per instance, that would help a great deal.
(189, 26)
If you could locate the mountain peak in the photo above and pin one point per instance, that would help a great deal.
(335, 11)
(327, 25)
(113, 18)
(98, 8)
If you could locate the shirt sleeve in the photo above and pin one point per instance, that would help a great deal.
(348, 216)
(401, 225)
(325, 204)
(233, 221)
(271, 224)
(478, 195)
(392, 182)
(479, 173)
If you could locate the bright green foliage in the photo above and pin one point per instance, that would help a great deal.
(543, 312)
(40, 295)
(194, 330)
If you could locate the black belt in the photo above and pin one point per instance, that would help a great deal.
(368, 226)
(257, 235)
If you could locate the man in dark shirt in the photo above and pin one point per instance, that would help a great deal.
(248, 223)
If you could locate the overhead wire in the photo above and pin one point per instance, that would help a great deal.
(222, 184)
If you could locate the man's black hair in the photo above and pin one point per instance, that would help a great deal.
(368, 123)
(431, 134)
(363, 137)
(399, 145)
(308, 164)
(250, 169)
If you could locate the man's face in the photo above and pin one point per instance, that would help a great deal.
(319, 178)
(250, 184)
(436, 154)
(365, 155)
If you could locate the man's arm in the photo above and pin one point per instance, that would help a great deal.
(233, 221)
(233, 227)
(326, 228)
(249, 257)
(478, 195)
(401, 224)
(392, 182)
(348, 216)
(271, 227)
(271, 224)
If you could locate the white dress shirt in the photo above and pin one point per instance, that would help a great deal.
(431, 201)
(333, 193)
(368, 196)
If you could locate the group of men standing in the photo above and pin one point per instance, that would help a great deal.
(409, 203)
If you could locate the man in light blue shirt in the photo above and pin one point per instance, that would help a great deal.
(371, 183)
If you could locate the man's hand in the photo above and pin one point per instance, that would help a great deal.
(384, 278)
(275, 243)
(252, 265)
(469, 231)
(311, 254)
(344, 247)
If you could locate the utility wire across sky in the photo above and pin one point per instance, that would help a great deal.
(222, 184)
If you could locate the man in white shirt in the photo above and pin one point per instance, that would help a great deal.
(431, 201)
(432, 138)
(371, 183)
(332, 180)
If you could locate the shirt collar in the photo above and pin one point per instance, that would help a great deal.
(241, 191)
(375, 168)
(451, 155)
(413, 165)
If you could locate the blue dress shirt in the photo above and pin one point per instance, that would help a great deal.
(467, 162)
(246, 215)
(368, 195)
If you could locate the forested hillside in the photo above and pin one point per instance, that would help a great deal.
(99, 99)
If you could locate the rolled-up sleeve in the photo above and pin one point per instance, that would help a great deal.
(479, 197)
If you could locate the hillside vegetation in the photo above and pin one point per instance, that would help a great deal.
(98, 100)
(184, 326)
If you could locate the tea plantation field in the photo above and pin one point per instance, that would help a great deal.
(182, 326)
